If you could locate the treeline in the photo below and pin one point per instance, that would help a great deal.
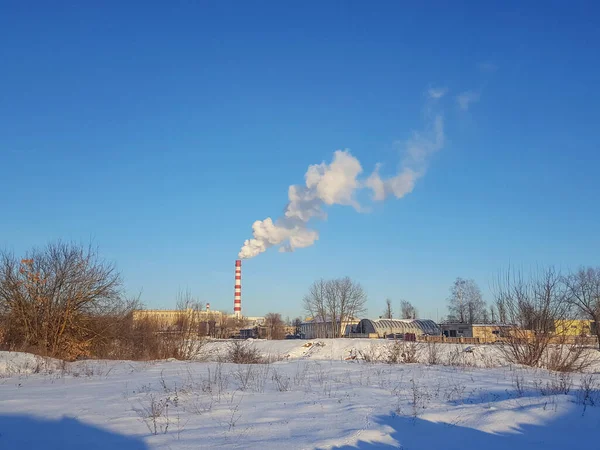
(536, 301)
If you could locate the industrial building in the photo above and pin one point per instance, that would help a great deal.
(313, 328)
(382, 328)
(169, 317)
(485, 332)
(575, 327)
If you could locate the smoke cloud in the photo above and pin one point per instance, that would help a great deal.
(338, 183)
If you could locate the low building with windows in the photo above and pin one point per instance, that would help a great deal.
(170, 317)
(488, 332)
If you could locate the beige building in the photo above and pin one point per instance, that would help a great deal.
(484, 332)
(170, 317)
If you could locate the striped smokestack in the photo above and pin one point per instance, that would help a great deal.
(237, 299)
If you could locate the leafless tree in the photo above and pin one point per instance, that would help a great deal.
(314, 301)
(407, 310)
(275, 326)
(532, 306)
(188, 326)
(583, 291)
(388, 313)
(52, 297)
(229, 325)
(465, 303)
(297, 324)
(493, 316)
(333, 302)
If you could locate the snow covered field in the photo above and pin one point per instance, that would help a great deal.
(312, 398)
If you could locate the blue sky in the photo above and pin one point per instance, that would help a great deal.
(161, 133)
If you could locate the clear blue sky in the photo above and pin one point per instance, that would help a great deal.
(161, 133)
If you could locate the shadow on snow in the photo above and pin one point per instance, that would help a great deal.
(25, 432)
(569, 431)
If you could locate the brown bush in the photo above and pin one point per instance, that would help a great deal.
(49, 298)
(64, 301)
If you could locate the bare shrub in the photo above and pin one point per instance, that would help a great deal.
(239, 352)
(589, 391)
(282, 381)
(566, 357)
(371, 355)
(51, 298)
(419, 398)
(245, 376)
(532, 307)
(403, 352)
(457, 358)
(519, 384)
(560, 384)
(433, 354)
(155, 415)
(186, 332)
(64, 301)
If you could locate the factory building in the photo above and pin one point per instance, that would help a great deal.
(485, 332)
(313, 328)
(170, 317)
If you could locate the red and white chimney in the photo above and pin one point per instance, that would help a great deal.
(237, 298)
(208, 307)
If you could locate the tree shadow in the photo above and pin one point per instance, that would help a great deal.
(569, 431)
(19, 432)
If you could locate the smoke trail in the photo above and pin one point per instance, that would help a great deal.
(337, 183)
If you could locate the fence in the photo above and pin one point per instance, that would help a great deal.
(453, 340)
(585, 341)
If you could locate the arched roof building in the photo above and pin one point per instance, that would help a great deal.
(385, 327)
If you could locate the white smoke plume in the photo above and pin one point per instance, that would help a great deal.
(418, 150)
(337, 183)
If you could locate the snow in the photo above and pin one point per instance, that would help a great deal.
(312, 398)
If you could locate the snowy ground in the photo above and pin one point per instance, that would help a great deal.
(313, 398)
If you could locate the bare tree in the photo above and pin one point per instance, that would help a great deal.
(533, 306)
(188, 326)
(333, 302)
(314, 301)
(465, 303)
(229, 326)
(584, 294)
(493, 316)
(388, 313)
(407, 310)
(275, 326)
(297, 324)
(51, 298)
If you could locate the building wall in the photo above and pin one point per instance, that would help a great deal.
(312, 330)
(574, 327)
(484, 332)
(457, 329)
(488, 333)
(169, 317)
